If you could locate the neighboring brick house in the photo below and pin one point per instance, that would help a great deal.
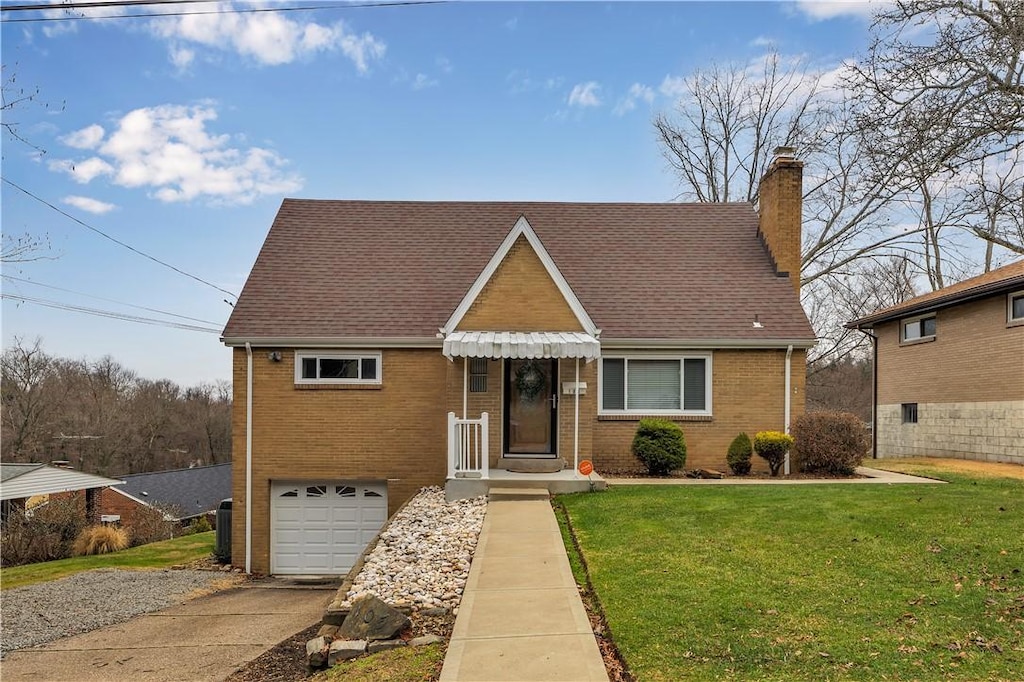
(950, 371)
(180, 494)
(20, 482)
(383, 346)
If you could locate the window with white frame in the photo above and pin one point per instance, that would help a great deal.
(314, 367)
(656, 384)
(1015, 307)
(918, 328)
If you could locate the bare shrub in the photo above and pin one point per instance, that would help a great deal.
(830, 442)
(100, 540)
(151, 524)
(43, 533)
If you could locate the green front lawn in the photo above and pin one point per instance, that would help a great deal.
(819, 582)
(154, 555)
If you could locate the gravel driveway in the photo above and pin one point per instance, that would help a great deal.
(85, 601)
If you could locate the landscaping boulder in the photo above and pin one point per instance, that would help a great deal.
(372, 619)
(383, 645)
(425, 640)
(316, 651)
(344, 649)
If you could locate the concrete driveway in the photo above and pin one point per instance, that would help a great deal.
(204, 639)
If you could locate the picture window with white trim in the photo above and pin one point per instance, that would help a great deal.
(656, 385)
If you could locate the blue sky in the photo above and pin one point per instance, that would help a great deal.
(180, 136)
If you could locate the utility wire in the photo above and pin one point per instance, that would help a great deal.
(101, 3)
(115, 240)
(108, 300)
(108, 313)
(233, 10)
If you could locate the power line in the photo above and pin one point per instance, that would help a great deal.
(104, 3)
(115, 240)
(233, 10)
(108, 300)
(59, 305)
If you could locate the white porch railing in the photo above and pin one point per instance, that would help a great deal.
(467, 447)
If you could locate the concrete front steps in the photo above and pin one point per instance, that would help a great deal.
(556, 483)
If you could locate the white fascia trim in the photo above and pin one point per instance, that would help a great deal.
(333, 342)
(522, 228)
(685, 344)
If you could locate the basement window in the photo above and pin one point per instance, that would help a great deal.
(337, 368)
(909, 413)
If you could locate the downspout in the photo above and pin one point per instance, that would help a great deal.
(576, 426)
(874, 392)
(789, 372)
(248, 458)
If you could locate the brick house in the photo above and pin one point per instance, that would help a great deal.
(949, 371)
(181, 495)
(383, 346)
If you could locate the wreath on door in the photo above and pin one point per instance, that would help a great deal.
(529, 381)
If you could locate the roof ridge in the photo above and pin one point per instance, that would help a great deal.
(171, 471)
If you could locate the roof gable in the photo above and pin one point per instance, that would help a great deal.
(521, 233)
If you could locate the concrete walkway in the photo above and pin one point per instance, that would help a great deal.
(521, 616)
(871, 476)
(204, 639)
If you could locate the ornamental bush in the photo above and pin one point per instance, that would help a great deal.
(100, 540)
(772, 446)
(738, 457)
(660, 445)
(830, 442)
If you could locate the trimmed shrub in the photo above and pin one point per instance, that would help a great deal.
(830, 442)
(200, 524)
(101, 540)
(660, 445)
(740, 452)
(772, 446)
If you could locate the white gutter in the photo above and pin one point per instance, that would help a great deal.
(576, 426)
(333, 341)
(705, 344)
(789, 372)
(248, 458)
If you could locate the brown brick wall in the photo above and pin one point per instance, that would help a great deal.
(520, 297)
(395, 432)
(975, 357)
(780, 203)
(747, 395)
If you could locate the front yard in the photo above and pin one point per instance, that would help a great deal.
(898, 582)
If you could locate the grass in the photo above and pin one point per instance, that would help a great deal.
(154, 555)
(406, 664)
(826, 582)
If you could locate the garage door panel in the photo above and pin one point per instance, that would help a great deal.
(322, 527)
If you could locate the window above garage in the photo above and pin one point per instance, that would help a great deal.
(315, 367)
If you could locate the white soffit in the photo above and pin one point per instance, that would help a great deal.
(526, 345)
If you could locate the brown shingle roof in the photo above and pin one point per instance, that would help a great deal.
(1006, 278)
(337, 269)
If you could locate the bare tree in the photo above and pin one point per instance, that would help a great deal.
(26, 370)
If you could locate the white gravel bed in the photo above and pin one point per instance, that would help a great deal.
(85, 601)
(422, 558)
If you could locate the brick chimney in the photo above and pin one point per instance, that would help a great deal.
(781, 211)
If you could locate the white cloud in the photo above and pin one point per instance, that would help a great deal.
(423, 81)
(763, 41)
(585, 95)
(637, 92)
(82, 172)
(444, 64)
(87, 204)
(169, 150)
(268, 38)
(86, 138)
(821, 10)
(182, 57)
(673, 87)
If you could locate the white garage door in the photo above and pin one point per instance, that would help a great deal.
(321, 527)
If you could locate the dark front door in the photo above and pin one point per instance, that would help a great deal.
(531, 408)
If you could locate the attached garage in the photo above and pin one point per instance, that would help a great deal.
(321, 527)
